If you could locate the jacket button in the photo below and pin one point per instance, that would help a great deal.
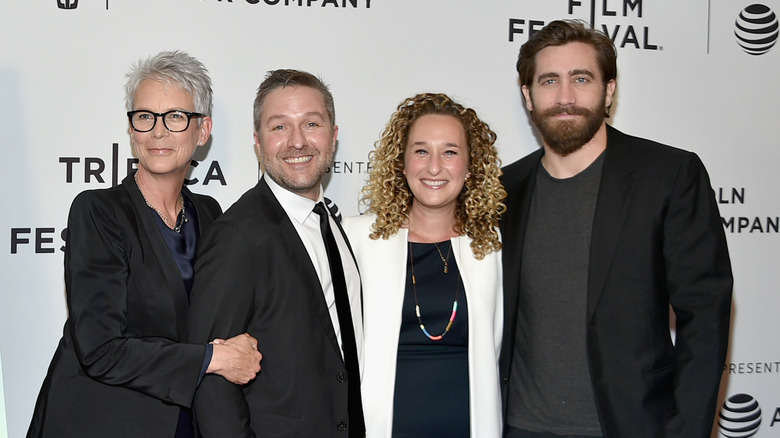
(342, 377)
(342, 426)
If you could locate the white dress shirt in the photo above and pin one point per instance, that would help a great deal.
(307, 224)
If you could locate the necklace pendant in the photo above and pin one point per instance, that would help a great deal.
(417, 305)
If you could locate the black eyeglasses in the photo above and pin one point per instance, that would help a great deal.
(174, 120)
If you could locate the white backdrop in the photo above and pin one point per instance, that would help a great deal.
(683, 80)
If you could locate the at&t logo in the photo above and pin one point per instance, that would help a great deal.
(756, 29)
(67, 4)
(740, 416)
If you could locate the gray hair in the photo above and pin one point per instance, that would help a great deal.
(176, 68)
(291, 78)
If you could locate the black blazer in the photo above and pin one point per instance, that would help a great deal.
(119, 369)
(254, 275)
(657, 239)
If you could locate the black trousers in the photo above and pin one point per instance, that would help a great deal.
(511, 432)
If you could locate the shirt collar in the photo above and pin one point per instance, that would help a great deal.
(296, 206)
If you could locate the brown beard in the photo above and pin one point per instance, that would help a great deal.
(567, 136)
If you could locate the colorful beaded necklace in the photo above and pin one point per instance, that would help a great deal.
(417, 306)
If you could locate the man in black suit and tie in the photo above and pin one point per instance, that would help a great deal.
(277, 265)
(603, 233)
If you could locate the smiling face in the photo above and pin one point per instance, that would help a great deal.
(295, 139)
(436, 162)
(160, 151)
(567, 98)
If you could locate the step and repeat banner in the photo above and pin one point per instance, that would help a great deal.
(701, 75)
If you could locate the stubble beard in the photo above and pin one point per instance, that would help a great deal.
(274, 170)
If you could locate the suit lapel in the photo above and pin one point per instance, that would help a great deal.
(615, 190)
(515, 221)
(513, 225)
(300, 263)
(205, 215)
(162, 254)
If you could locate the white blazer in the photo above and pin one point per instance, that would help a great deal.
(382, 265)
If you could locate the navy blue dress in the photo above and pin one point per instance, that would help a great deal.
(432, 377)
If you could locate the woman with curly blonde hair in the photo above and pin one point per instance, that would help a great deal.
(429, 256)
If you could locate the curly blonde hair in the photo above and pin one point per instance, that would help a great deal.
(387, 193)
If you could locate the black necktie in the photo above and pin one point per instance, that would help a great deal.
(356, 426)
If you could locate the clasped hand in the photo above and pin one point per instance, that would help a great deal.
(236, 359)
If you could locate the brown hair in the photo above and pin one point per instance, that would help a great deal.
(559, 33)
(388, 196)
(291, 78)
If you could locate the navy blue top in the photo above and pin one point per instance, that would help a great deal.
(182, 246)
(432, 377)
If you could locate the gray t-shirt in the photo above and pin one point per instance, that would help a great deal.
(550, 388)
